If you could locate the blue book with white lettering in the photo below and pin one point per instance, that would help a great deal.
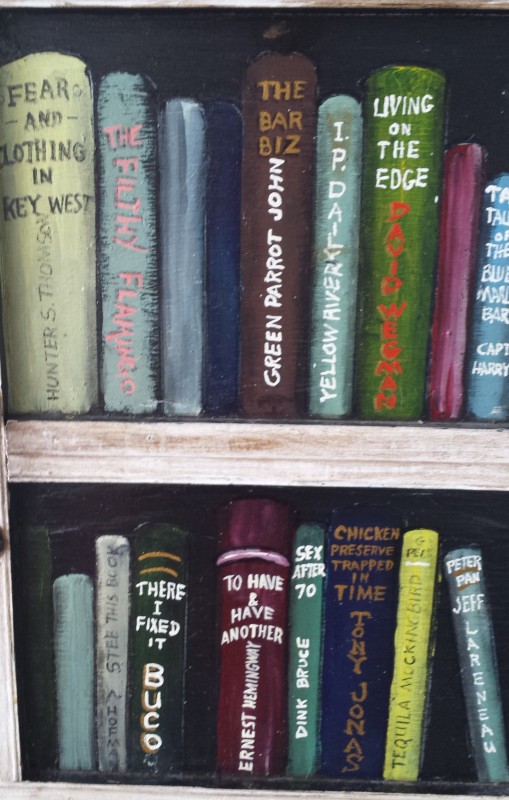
(488, 349)
(362, 559)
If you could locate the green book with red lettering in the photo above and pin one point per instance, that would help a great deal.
(403, 147)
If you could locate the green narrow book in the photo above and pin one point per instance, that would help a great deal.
(335, 257)
(158, 638)
(47, 235)
(36, 623)
(305, 620)
(413, 644)
(403, 149)
(73, 617)
(475, 641)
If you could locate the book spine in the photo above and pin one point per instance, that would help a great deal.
(413, 643)
(128, 243)
(360, 607)
(36, 610)
(182, 222)
(305, 637)
(488, 347)
(401, 184)
(112, 626)
(335, 257)
(158, 637)
(279, 115)
(459, 227)
(253, 695)
(47, 234)
(73, 619)
(224, 149)
(475, 641)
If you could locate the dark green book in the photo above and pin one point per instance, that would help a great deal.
(36, 624)
(306, 607)
(403, 148)
(158, 635)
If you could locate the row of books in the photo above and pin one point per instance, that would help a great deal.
(325, 644)
(277, 262)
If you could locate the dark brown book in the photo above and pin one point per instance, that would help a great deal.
(279, 114)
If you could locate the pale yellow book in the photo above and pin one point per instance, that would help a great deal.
(47, 234)
(413, 643)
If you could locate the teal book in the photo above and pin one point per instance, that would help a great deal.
(304, 673)
(464, 572)
(128, 244)
(182, 222)
(157, 648)
(73, 619)
(335, 257)
(488, 349)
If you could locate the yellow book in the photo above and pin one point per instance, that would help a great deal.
(47, 234)
(413, 645)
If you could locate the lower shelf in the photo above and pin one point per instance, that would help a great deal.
(73, 791)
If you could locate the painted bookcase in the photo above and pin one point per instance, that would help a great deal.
(458, 472)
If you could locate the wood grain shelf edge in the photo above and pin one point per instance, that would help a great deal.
(216, 453)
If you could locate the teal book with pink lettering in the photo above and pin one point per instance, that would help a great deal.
(128, 244)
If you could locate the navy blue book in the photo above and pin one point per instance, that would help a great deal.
(224, 145)
(362, 560)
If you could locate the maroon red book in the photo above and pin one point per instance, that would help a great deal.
(253, 566)
(279, 116)
(459, 227)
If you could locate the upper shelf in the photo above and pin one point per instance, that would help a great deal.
(259, 454)
(492, 5)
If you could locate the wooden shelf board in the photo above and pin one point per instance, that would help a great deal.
(262, 454)
(72, 791)
(485, 5)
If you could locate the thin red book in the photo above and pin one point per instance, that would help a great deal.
(459, 228)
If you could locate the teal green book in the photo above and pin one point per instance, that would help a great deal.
(157, 649)
(335, 257)
(464, 572)
(128, 244)
(73, 610)
(402, 159)
(304, 673)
